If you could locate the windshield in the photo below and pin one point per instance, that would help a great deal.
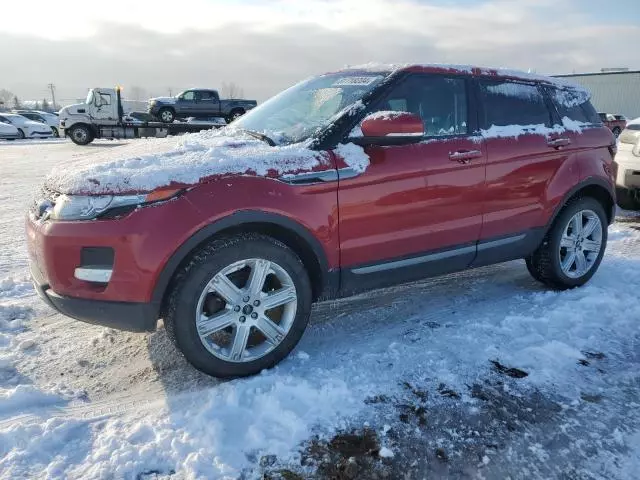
(304, 109)
(89, 99)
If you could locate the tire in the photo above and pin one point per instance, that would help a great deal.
(545, 263)
(55, 132)
(166, 115)
(627, 199)
(237, 113)
(81, 135)
(616, 131)
(188, 299)
(21, 133)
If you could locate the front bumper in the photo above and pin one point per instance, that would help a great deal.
(130, 316)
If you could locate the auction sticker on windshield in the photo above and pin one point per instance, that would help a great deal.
(346, 81)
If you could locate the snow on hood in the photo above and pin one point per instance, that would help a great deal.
(146, 165)
(168, 100)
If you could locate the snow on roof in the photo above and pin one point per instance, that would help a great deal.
(467, 69)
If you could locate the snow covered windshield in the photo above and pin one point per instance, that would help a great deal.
(302, 110)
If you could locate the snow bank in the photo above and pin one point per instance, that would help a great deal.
(25, 397)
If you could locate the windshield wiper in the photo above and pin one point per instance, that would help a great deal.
(260, 136)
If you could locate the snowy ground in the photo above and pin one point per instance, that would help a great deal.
(395, 384)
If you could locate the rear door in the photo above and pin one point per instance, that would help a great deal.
(206, 103)
(525, 152)
(417, 209)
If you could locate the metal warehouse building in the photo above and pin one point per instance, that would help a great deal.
(616, 92)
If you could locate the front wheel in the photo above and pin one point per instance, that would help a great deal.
(80, 135)
(21, 133)
(55, 132)
(167, 115)
(572, 250)
(240, 306)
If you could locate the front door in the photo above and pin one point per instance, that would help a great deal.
(417, 209)
(187, 104)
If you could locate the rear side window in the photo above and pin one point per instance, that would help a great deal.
(509, 103)
(575, 105)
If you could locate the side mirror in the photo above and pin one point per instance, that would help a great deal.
(392, 124)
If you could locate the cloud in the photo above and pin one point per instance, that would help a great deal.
(266, 46)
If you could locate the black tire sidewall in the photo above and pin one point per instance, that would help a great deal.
(82, 127)
(187, 296)
(556, 236)
(626, 199)
(22, 134)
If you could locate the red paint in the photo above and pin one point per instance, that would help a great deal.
(397, 123)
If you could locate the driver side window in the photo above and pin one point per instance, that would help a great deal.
(189, 96)
(440, 101)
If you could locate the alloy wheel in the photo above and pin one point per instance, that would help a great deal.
(580, 244)
(246, 310)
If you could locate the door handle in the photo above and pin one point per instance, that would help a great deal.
(559, 142)
(464, 156)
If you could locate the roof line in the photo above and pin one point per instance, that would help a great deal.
(594, 73)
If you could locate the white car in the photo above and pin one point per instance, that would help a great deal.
(628, 162)
(26, 128)
(43, 117)
(8, 131)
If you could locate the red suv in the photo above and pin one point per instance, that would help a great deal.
(348, 181)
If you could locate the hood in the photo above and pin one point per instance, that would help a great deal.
(165, 100)
(74, 109)
(32, 124)
(145, 166)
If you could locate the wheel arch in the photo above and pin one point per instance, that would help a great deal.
(594, 187)
(291, 233)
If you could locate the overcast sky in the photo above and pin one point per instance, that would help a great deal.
(266, 45)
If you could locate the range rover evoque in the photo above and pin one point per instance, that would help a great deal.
(349, 181)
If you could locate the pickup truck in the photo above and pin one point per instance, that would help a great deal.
(197, 102)
(615, 123)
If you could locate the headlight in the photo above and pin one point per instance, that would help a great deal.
(87, 207)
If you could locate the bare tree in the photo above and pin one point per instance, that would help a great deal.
(231, 90)
(6, 96)
(138, 93)
(16, 102)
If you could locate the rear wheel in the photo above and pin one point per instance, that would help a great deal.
(21, 133)
(81, 135)
(237, 113)
(55, 132)
(572, 250)
(627, 199)
(240, 306)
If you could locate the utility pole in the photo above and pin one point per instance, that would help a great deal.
(52, 87)
(170, 93)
